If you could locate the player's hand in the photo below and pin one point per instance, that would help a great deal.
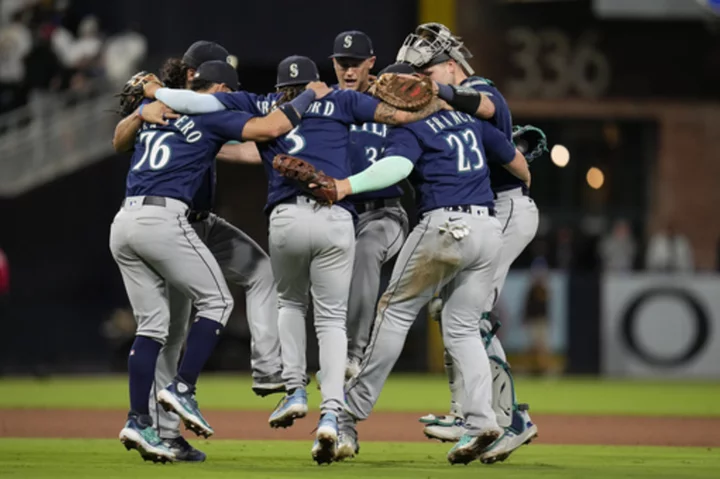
(150, 88)
(158, 113)
(343, 188)
(320, 88)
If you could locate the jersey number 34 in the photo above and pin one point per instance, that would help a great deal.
(465, 144)
(155, 149)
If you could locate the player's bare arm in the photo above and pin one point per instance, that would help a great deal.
(519, 167)
(244, 153)
(393, 116)
(127, 129)
(266, 128)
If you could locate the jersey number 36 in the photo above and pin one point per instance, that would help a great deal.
(155, 149)
(465, 144)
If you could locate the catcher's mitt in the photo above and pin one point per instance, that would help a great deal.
(410, 93)
(305, 174)
(530, 140)
(133, 92)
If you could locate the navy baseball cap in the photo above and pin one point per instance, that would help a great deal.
(203, 51)
(399, 67)
(352, 44)
(296, 70)
(218, 71)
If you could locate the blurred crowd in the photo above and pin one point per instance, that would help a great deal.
(618, 250)
(43, 50)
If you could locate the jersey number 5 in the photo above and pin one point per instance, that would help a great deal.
(155, 149)
(462, 142)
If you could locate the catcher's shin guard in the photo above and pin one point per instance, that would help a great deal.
(504, 402)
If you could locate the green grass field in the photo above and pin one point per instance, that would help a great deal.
(41, 458)
(78, 459)
(421, 393)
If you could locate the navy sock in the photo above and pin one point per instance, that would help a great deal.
(201, 341)
(141, 369)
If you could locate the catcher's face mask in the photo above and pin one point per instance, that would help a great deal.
(433, 43)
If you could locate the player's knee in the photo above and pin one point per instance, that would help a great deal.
(367, 252)
(460, 331)
(295, 304)
(262, 276)
(217, 308)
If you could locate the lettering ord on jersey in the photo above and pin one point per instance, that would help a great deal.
(324, 108)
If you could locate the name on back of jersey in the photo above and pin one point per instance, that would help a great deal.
(448, 119)
(324, 108)
(378, 129)
(184, 125)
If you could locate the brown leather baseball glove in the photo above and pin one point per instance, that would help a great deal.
(133, 92)
(312, 181)
(405, 92)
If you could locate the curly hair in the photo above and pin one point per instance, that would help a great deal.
(289, 93)
(174, 73)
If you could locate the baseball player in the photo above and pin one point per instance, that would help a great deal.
(383, 223)
(311, 248)
(453, 250)
(241, 260)
(155, 246)
(433, 50)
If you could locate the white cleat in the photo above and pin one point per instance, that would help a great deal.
(347, 447)
(449, 429)
(508, 443)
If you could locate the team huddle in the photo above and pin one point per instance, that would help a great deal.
(329, 234)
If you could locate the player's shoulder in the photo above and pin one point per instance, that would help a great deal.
(481, 84)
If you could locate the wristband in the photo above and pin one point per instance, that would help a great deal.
(291, 114)
(139, 112)
(465, 100)
(302, 101)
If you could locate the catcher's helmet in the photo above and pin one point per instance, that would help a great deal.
(434, 43)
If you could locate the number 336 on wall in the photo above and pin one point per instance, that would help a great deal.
(549, 64)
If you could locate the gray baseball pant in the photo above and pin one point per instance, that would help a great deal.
(380, 234)
(155, 246)
(519, 217)
(245, 264)
(312, 250)
(462, 270)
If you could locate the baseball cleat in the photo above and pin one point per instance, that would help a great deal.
(445, 421)
(469, 448)
(140, 435)
(179, 398)
(325, 447)
(184, 451)
(348, 446)
(292, 406)
(266, 385)
(508, 443)
(446, 429)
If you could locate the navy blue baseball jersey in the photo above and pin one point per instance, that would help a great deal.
(366, 147)
(252, 103)
(450, 150)
(502, 179)
(322, 139)
(173, 160)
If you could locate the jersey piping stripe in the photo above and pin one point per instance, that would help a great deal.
(376, 330)
(225, 303)
(512, 208)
